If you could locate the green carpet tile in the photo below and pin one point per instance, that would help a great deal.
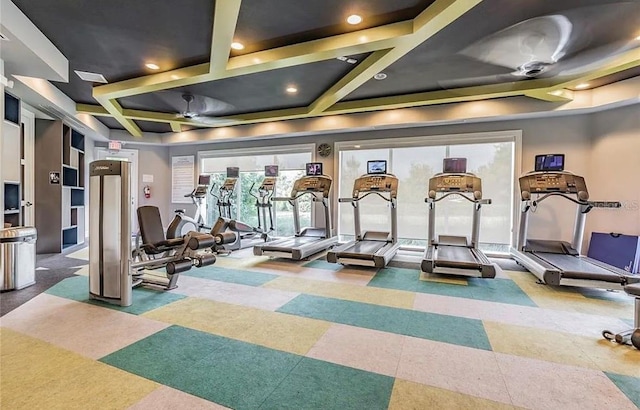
(629, 385)
(314, 384)
(144, 299)
(242, 277)
(493, 290)
(235, 374)
(432, 326)
(322, 264)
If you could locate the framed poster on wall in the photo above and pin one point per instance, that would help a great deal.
(182, 174)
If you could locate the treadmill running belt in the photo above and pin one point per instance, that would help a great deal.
(456, 254)
(362, 249)
(574, 267)
(285, 245)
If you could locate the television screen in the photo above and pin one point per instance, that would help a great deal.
(550, 162)
(377, 167)
(454, 165)
(270, 170)
(314, 168)
(233, 172)
(11, 197)
(204, 179)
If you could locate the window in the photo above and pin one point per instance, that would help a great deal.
(291, 162)
(414, 161)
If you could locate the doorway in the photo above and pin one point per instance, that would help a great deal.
(131, 156)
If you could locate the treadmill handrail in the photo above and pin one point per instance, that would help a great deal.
(590, 204)
(475, 201)
(364, 196)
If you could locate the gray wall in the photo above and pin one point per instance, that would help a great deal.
(591, 142)
(153, 160)
(615, 170)
(570, 134)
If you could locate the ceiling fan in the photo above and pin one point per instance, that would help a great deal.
(194, 107)
(559, 45)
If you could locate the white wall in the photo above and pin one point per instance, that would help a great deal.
(615, 170)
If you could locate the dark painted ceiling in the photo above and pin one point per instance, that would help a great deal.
(117, 37)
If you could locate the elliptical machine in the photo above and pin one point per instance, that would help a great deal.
(231, 234)
(198, 222)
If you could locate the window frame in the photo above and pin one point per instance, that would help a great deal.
(258, 151)
(489, 137)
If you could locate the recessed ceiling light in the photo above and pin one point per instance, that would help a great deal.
(380, 76)
(175, 77)
(292, 90)
(556, 92)
(638, 38)
(354, 19)
(582, 86)
(152, 66)
(356, 146)
(237, 46)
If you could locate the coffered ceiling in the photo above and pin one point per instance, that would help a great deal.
(302, 59)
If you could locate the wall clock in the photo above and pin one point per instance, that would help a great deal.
(324, 150)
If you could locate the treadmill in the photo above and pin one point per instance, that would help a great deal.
(557, 262)
(310, 240)
(373, 248)
(456, 255)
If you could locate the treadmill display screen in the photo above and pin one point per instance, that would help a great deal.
(233, 172)
(204, 180)
(270, 170)
(314, 168)
(454, 165)
(550, 162)
(377, 167)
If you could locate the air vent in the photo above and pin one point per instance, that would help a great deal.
(56, 113)
(91, 77)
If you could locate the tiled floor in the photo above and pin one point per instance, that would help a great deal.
(249, 332)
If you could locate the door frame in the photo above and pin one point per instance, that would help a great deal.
(28, 119)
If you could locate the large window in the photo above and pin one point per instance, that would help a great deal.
(414, 161)
(291, 162)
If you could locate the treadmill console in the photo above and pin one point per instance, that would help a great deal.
(454, 183)
(317, 183)
(549, 182)
(376, 183)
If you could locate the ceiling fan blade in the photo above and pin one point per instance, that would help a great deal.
(211, 120)
(199, 104)
(540, 39)
(593, 59)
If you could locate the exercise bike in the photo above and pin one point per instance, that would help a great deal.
(231, 234)
(182, 222)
